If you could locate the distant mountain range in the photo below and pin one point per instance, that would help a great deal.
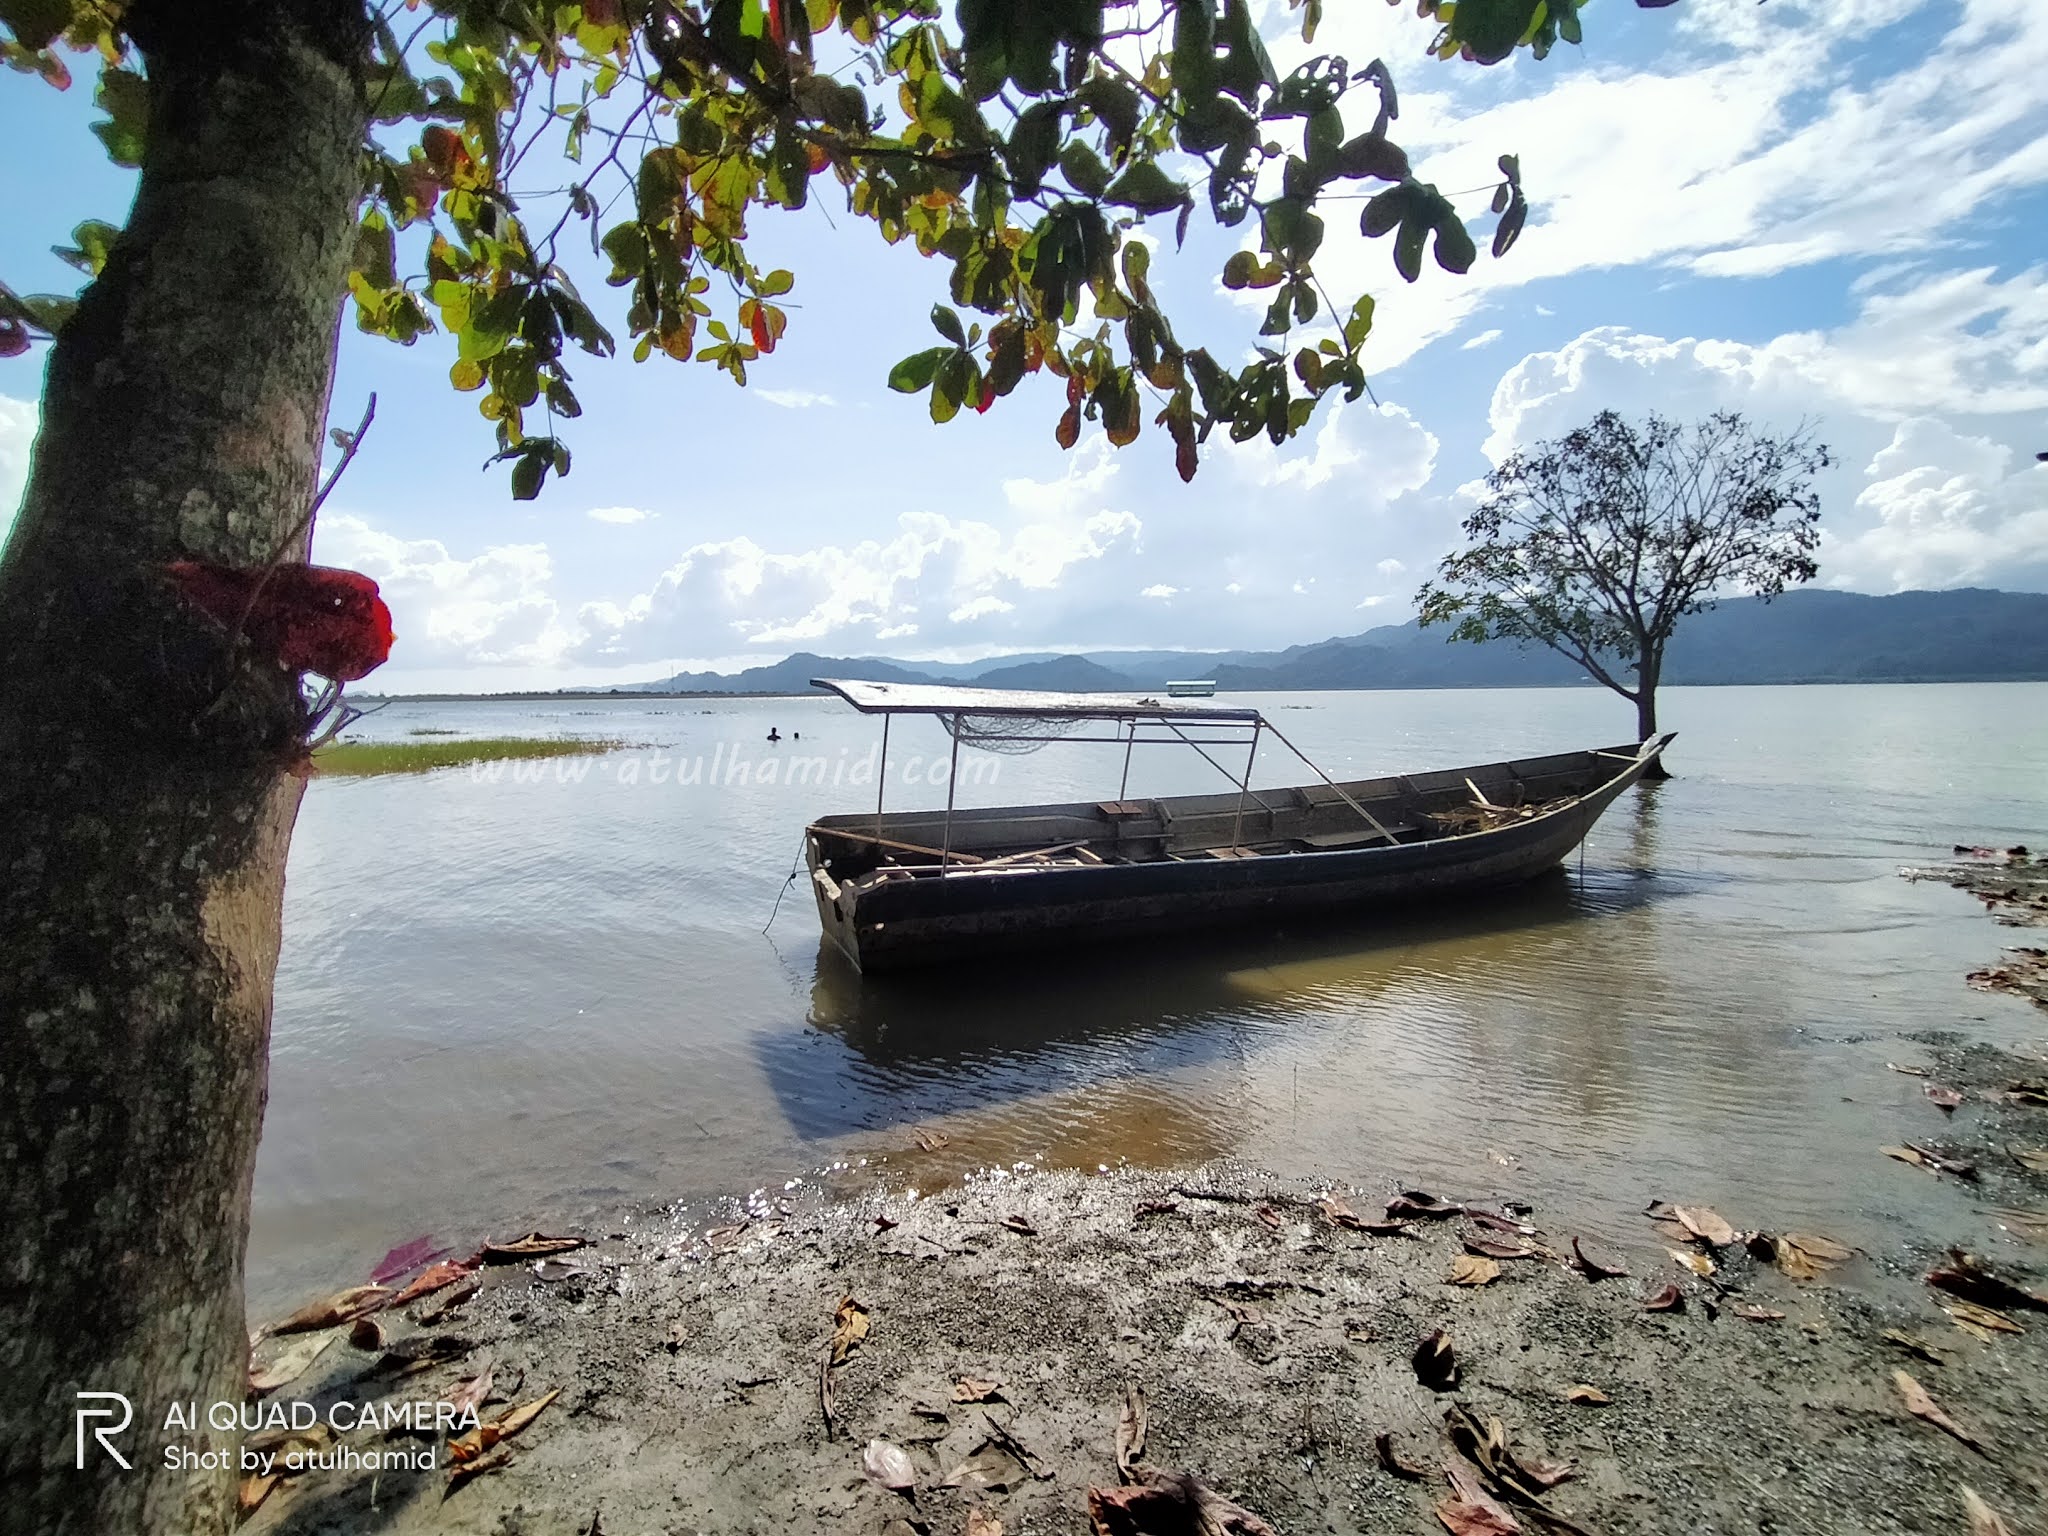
(1969, 635)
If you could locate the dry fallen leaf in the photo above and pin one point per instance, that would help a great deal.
(931, 1141)
(988, 1466)
(849, 1327)
(253, 1491)
(290, 1363)
(366, 1334)
(1704, 1224)
(477, 1466)
(1471, 1269)
(2034, 1159)
(888, 1466)
(1414, 1202)
(449, 1301)
(1393, 1462)
(1271, 1217)
(1156, 1207)
(1805, 1255)
(1921, 1406)
(1979, 1322)
(2031, 1225)
(1944, 1099)
(1471, 1510)
(1909, 1071)
(1698, 1263)
(1984, 1521)
(1130, 1433)
(332, 1311)
(435, 1277)
(982, 1522)
(468, 1395)
(1169, 1501)
(535, 1245)
(1587, 1396)
(1749, 1312)
(1486, 1248)
(1913, 1345)
(1436, 1365)
(1592, 1268)
(978, 1389)
(1666, 1298)
(1974, 1280)
(472, 1445)
(1911, 1155)
(1019, 1225)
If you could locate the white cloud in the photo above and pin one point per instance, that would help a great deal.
(1391, 568)
(492, 610)
(732, 595)
(1483, 339)
(620, 515)
(1160, 590)
(1746, 150)
(17, 436)
(1951, 510)
(794, 399)
(1914, 499)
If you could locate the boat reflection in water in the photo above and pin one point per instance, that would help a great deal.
(1163, 1053)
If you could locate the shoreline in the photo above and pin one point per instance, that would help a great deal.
(1272, 1339)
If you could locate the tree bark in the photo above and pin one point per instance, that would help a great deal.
(1647, 671)
(146, 801)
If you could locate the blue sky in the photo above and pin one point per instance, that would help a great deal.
(1812, 209)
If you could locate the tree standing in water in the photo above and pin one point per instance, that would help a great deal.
(1596, 545)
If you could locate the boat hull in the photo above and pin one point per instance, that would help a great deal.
(971, 913)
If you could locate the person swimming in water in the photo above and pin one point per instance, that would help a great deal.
(774, 734)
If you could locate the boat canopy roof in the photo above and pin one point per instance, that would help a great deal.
(938, 699)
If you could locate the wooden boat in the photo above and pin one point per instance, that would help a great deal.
(901, 889)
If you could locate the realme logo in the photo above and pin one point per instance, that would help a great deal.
(125, 1409)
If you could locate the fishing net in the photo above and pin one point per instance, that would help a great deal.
(1012, 735)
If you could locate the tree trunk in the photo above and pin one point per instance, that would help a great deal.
(1647, 670)
(145, 799)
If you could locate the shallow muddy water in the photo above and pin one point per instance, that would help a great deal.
(544, 995)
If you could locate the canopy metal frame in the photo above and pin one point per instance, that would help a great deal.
(1137, 721)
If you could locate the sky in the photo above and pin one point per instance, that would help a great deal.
(1809, 211)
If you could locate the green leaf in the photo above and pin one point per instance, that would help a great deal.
(1147, 188)
(777, 283)
(1373, 155)
(950, 386)
(1387, 210)
(915, 373)
(1246, 65)
(1084, 168)
(947, 324)
(1454, 249)
(529, 470)
(1408, 247)
(90, 244)
(1509, 229)
(1359, 326)
(1239, 270)
(1194, 49)
(36, 23)
(124, 96)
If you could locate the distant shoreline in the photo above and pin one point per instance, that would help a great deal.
(644, 693)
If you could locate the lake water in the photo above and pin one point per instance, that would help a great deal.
(544, 995)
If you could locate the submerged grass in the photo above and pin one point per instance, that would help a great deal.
(360, 759)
